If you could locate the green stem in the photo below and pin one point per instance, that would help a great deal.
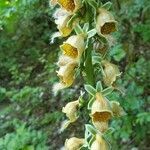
(90, 77)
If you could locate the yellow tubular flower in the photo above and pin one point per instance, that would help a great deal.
(71, 110)
(117, 109)
(61, 19)
(64, 60)
(70, 5)
(111, 72)
(100, 111)
(73, 143)
(73, 47)
(66, 74)
(105, 22)
(101, 126)
(99, 144)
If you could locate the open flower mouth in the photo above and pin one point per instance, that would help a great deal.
(69, 5)
(108, 27)
(101, 116)
(69, 50)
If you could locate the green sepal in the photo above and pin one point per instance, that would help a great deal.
(90, 129)
(99, 87)
(96, 59)
(91, 33)
(90, 89)
(91, 140)
(107, 91)
(107, 5)
(110, 130)
(81, 101)
(86, 27)
(72, 19)
(78, 29)
(90, 103)
(93, 4)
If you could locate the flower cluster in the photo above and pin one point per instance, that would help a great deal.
(89, 25)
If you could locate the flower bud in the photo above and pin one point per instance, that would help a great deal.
(70, 5)
(101, 126)
(73, 143)
(105, 22)
(117, 109)
(100, 111)
(99, 143)
(71, 110)
(66, 74)
(73, 47)
(111, 72)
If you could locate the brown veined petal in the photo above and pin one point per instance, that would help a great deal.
(101, 126)
(106, 23)
(100, 110)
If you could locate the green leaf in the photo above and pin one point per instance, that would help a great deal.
(90, 89)
(91, 33)
(107, 5)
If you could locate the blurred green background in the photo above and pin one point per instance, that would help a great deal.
(30, 114)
